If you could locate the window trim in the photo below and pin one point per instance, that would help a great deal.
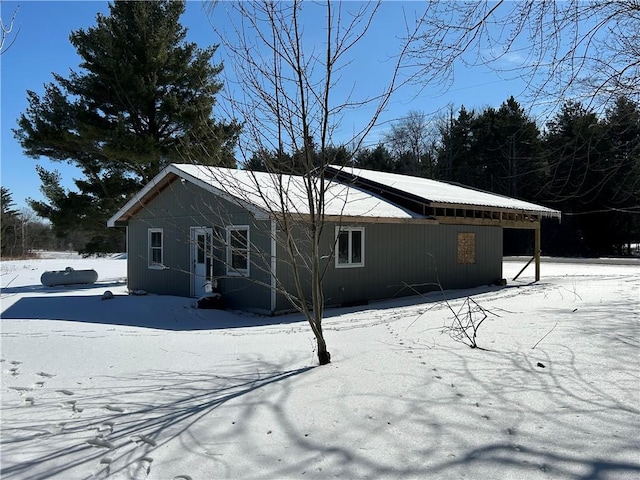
(237, 272)
(350, 263)
(150, 248)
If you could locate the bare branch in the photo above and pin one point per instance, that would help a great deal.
(286, 66)
(582, 50)
(6, 30)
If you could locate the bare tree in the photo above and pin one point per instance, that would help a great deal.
(284, 91)
(6, 29)
(576, 49)
(582, 52)
(410, 140)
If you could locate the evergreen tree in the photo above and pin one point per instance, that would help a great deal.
(454, 153)
(507, 151)
(8, 220)
(574, 146)
(7, 204)
(570, 143)
(486, 165)
(620, 175)
(274, 162)
(378, 158)
(143, 98)
(594, 177)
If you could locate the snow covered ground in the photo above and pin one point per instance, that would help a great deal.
(148, 387)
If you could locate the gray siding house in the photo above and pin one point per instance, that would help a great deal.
(195, 229)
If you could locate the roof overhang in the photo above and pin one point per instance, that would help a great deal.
(164, 180)
(418, 208)
(453, 213)
(478, 215)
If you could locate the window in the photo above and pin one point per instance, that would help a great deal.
(349, 247)
(466, 248)
(238, 250)
(155, 248)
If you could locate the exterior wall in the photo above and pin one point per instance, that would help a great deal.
(395, 255)
(284, 270)
(178, 208)
(414, 254)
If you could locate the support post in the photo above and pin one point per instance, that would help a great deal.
(524, 268)
(537, 250)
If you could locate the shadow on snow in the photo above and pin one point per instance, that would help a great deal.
(142, 413)
(152, 311)
(166, 312)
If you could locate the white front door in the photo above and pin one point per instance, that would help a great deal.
(201, 260)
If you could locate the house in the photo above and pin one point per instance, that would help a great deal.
(196, 228)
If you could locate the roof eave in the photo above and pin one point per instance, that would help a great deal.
(163, 179)
(140, 199)
(366, 183)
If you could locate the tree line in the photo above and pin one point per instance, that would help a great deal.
(144, 97)
(581, 163)
(22, 232)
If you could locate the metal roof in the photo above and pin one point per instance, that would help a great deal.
(441, 193)
(266, 194)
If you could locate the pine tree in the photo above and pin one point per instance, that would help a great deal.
(575, 146)
(454, 154)
(507, 151)
(8, 220)
(620, 176)
(143, 98)
(378, 158)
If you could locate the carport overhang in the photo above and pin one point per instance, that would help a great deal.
(504, 218)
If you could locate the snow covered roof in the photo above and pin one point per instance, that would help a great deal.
(264, 193)
(268, 192)
(442, 193)
(353, 193)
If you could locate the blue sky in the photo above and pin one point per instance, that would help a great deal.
(42, 47)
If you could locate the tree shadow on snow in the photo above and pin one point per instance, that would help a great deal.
(492, 415)
(406, 297)
(120, 426)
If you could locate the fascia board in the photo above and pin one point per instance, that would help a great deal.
(138, 199)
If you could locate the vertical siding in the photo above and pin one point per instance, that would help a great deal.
(402, 259)
(176, 209)
(284, 269)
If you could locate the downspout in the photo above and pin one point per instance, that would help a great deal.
(273, 266)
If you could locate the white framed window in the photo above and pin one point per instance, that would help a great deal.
(155, 242)
(238, 250)
(349, 247)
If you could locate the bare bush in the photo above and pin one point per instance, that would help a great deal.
(466, 322)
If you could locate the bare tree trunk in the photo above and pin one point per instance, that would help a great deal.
(289, 108)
